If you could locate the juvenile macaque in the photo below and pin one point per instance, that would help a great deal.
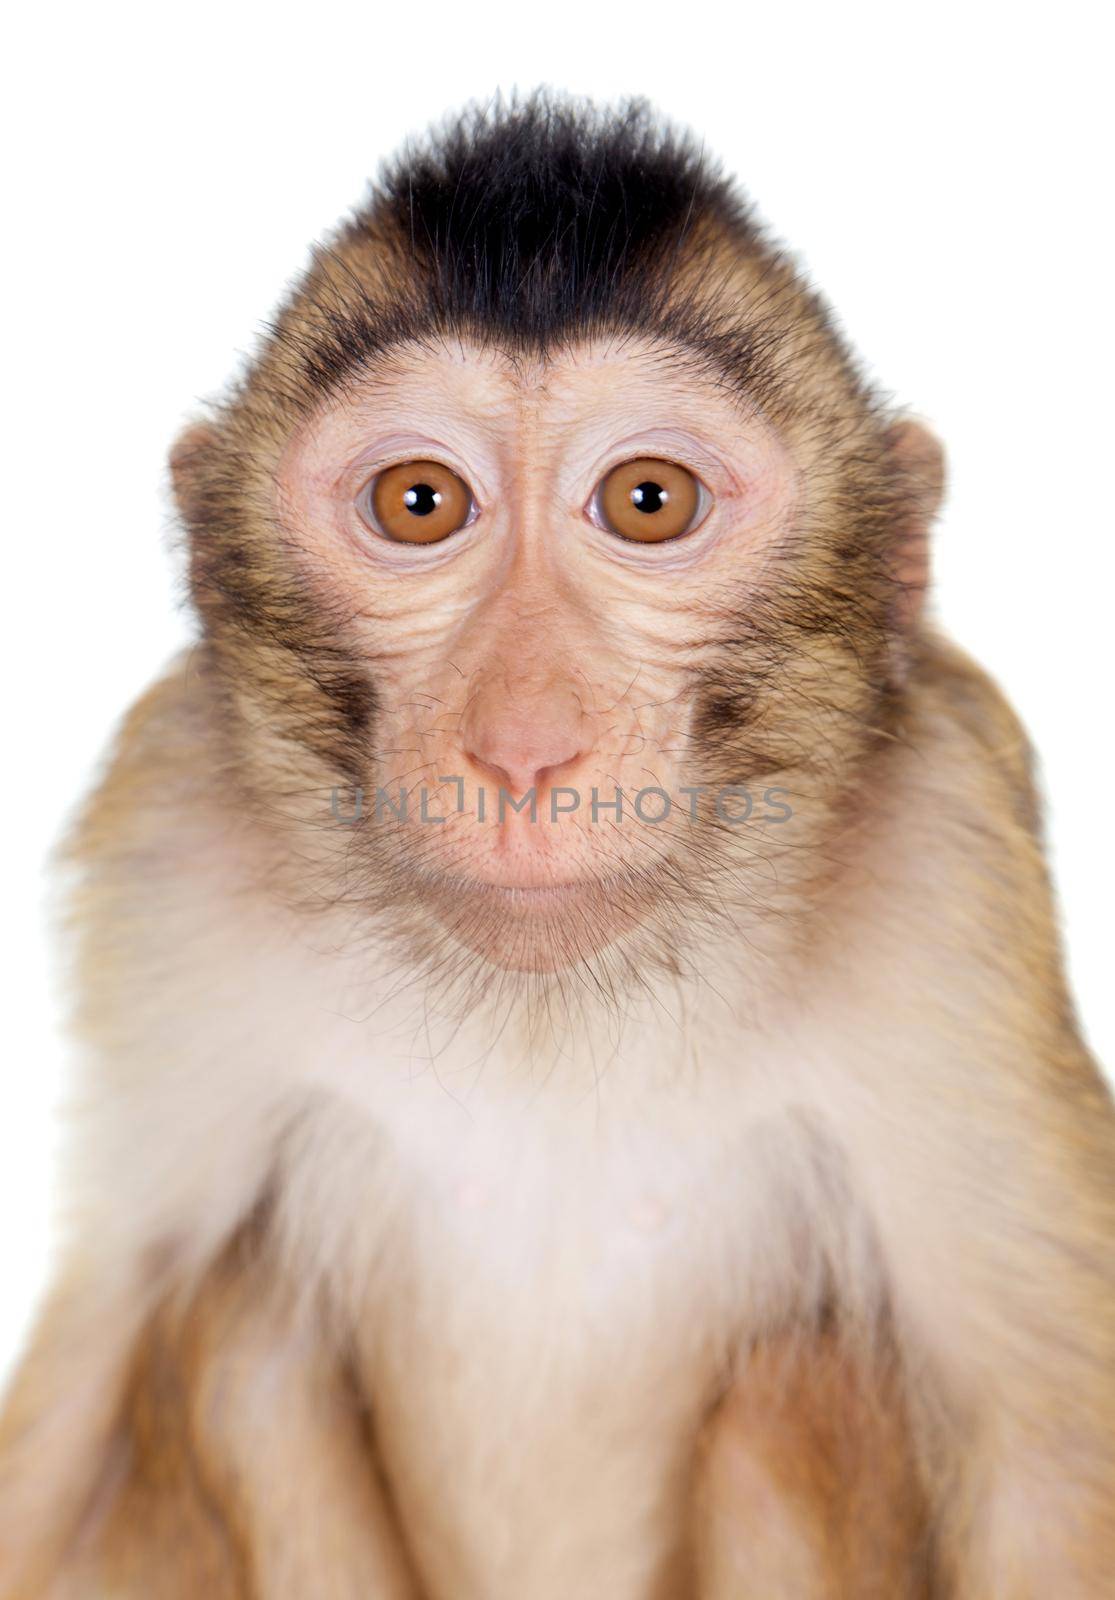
(578, 1093)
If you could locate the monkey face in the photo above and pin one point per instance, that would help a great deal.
(538, 657)
(499, 712)
(551, 529)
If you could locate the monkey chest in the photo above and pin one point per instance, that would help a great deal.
(553, 1318)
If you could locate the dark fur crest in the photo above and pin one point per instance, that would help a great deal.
(544, 219)
(537, 222)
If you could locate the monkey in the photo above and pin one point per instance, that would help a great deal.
(575, 1086)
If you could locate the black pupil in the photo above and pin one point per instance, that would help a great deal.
(649, 497)
(421, 499)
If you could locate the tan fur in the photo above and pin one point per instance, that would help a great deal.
(1015, 1427)
(733, 1219)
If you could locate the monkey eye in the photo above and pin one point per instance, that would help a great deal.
(416, 502)
(649, 500)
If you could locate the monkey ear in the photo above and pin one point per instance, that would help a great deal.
(186, 458)
(918, 460)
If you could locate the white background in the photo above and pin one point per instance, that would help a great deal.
(944, 172)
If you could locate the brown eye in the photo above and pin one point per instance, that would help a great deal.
(649, 500)
(417, 502)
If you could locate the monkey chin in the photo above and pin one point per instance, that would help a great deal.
(536, 928)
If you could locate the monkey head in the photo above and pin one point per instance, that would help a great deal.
(553, 526)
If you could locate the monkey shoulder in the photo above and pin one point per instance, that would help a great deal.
(133, 875)
(960, 852)
(958, 714)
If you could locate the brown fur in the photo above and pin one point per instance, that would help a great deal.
(202, 1409)
(808, 1482)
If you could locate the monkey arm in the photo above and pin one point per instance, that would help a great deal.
(172, 1429)
(1002, 1263)
(272, 1433)
(980, 1138)
(984, 1139)
(807, 1483)
(226, 1456)
(1002, 1269)
(58, 1443)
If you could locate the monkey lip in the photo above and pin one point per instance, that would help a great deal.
(521, 893)
(534, 926)
(527, 897)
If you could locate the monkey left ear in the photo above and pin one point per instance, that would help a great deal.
(918, 460)
(186, 455)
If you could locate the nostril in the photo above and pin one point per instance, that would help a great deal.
(492, 770)
(558, 769)
(519, 770)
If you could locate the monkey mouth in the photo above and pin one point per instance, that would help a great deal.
(532, 926)
(533, 897)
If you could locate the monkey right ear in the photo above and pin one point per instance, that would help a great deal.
(186, 456)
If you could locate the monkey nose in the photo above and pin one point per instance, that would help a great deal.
(520, 758)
